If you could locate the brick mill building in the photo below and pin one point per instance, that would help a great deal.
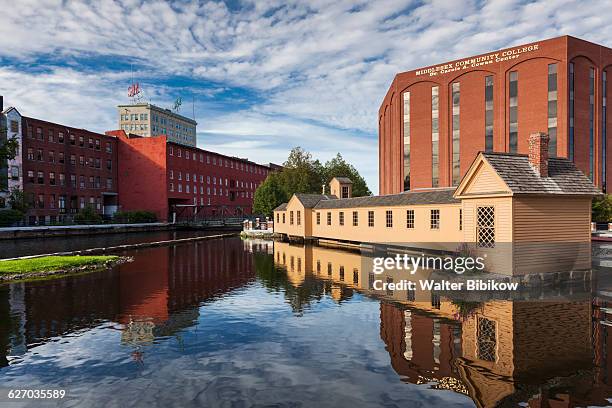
(167, 178)
(65, 169)
(434, 120)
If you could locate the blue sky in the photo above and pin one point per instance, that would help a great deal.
(265, 76)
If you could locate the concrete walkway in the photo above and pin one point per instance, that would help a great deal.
(92, 226)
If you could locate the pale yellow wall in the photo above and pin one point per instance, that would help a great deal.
(551, 234)
(336, 188)
(448, 233)
(484, 180)
(498, 259)
(303, 229)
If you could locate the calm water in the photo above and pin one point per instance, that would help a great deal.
(236, 324)
(24, 247)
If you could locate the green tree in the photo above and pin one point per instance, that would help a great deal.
(338, 167)
(20, 201)
(602, 208)
(301, 173)
(269, 195)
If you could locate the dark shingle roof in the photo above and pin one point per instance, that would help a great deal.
(281, 207)
(521, 178)
(414, 197)
(344, 180)
(310, 200)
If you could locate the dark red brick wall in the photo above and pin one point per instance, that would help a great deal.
(46, 189)
(532, 68)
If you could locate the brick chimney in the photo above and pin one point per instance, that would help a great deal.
(538, 153)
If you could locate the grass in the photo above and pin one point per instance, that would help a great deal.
(51, 263)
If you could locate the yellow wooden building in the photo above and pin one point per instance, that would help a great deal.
(526, 213)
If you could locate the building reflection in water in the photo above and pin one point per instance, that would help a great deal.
(156, 295)
(548, 352)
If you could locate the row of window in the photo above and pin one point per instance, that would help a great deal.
(434, 219)
(135, 116)
(93, 162)
(51, 138)
(231, 183)
(94, 181)
(188, 189)
(228, 163)
(60, 203)
(341, 274)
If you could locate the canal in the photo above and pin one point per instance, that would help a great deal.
(235, 323)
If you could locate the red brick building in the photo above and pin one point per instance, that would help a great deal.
(66, 169)
(166, 178)
(434, 120)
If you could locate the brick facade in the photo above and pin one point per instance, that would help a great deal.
(531, 64)
(66, 169)
(165, 177)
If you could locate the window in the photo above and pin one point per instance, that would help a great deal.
(435, 136)
(370, 218)
(460, 219)
(60, 139)
(278, 218)
(406, 97)
(41, 177)
(571, 112)
(489, 113)
(52, 178)
(109, 164)
(456, 133)
(41, 201)
(604, 119)
(283, 217)
(171, 186)
(91, 143)
(389, 218)
(345, 192)
(329, 218)
(109, 147)
(60, 157)
(486, 334)
(341, 273)
(30, 153)
(318, 218)
(14, 126)
(73, 160)
(355, 276)
(97, 146)
(109, 183)
(82, 160)
(73, 182)
(410, 219)
(329, 269)
(299, 218)
(485, 227)
(513, 120)
(39, 133)
(39, 154)
(15, 172)
(290, 217)
(81, 141)
(434, 219)
(341, 217)
(355, 218)
(50, 136)
(552, 110)
(31, 176)
(591, 123)
(72, 140)
(62, 179)
(82, 182)
(30, 134)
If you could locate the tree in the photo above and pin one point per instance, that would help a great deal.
(602, 208)
(338, 167)
(300, 174)
(20, 201)
(88, 215)
(269, 195)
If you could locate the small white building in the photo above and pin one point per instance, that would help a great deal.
(13, 169)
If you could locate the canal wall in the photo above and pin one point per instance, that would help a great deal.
(118, 248)
(73, 230)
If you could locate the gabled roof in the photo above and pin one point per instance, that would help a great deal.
(10, 108)
(281, 207)
(343, 180)
(310, 200)
(521, 178)
(413, 197)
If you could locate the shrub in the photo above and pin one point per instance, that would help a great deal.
(134, 217)
(88, 215)
(10, 217)
(602, 208)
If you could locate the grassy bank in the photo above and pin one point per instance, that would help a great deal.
(52, 263)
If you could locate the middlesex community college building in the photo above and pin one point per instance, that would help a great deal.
(434, 120)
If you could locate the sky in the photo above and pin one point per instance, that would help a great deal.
(262, 77)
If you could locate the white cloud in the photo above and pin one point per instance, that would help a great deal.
(325, 61)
